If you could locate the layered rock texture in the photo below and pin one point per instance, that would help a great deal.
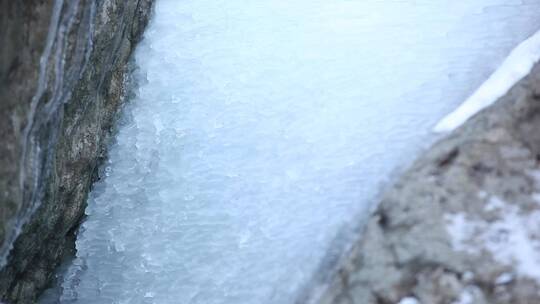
(62, 70)
(462, 225)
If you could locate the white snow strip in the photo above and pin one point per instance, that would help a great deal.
(516, 66)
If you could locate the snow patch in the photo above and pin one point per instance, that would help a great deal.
(460, 229)
(482, 194)
(409, 300)
(504, 278)
(468, 295)
(518, 64)
(494, 204)
(512, 239)
(535, 174)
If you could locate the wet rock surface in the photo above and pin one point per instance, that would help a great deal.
(62, 70)
(462, 224)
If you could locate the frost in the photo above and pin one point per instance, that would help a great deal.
(512, 239)
(518, 64)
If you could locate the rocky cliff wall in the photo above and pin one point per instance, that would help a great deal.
(462, 225)
(62, 72)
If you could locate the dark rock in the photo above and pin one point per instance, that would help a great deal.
(62, 75)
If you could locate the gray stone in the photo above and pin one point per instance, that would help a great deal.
(55, 123)
(484, 172)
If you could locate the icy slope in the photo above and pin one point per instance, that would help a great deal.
(260, 127)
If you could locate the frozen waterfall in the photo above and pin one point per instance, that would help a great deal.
(258, 129)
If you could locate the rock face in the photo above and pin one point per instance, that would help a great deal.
(462, 225)
(62, 70)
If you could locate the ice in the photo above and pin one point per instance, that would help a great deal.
(259, 128)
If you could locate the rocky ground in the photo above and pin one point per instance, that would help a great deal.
(462, 225)
(62, 70)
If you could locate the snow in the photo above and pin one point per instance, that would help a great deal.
(460, 230)
(409, 300)
(518, 64)
(504, 278)
(494, 204)
(467, 295)
(535, 175)
(259, 128)
(512, 239)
